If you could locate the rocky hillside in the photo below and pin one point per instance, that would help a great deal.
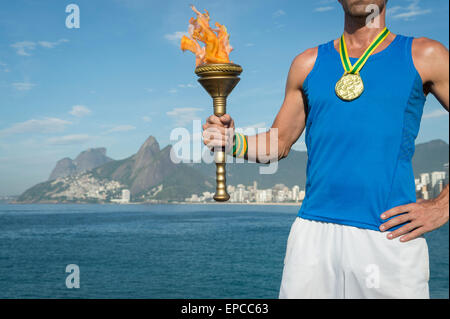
(87, 160)
(149, 174)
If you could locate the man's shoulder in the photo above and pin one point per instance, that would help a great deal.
(430, 58)
(308, 54)
(426, 48)
(304, 62)
(308, 57)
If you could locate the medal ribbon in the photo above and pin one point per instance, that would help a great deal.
(354, 69)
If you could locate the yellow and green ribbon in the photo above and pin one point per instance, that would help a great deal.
(240, 146)
(354, 69)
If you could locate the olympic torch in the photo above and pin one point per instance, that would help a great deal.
(217, 74)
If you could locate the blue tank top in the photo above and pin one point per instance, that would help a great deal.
(360, 152)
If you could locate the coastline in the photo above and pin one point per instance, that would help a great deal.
(250, 203)
(165, 203)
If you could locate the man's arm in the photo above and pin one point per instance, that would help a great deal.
(431, 60)
(287, 127)
(291, 118)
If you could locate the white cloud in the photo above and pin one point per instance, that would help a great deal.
(23, 48)
(23, 86)
(175, 37)
(69, 139)
(149, 90)
(279, 13)
(146, 119)
(80, 111)
(45, 125)
(435, 113)
(407, 12)
(121, 128)
(185, 86)
(184, 115)
(51, 45)
(173, 91)
(323, 9)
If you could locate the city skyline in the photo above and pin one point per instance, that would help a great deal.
(121, 76)
(428, 186)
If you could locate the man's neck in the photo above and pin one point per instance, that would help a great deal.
(359, 34)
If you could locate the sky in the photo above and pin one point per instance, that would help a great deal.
(121, 77)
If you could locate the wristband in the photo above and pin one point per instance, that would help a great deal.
(240, 146)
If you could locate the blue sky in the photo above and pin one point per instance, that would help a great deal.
(121, 77)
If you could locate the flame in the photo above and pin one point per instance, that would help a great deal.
(217, 46)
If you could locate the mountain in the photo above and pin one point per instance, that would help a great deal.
(150, 167)
(150, 174)
(85, 161)
(430, 157)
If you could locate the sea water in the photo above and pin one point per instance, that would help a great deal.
(157, 251)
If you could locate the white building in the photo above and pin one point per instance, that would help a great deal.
(425, 194)
(263, 195)
(436, 177)
(126, 196)
(230, 189)
(193, 199)
(125, 199)
(208, 195)
(241, 193)
(425, 178)
(295, 192)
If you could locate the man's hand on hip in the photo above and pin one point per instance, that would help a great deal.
(421, 217)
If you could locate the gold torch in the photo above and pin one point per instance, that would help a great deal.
(217, 75)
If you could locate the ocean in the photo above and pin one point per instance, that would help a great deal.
(157, 251)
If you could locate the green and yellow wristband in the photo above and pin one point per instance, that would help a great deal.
(240, 145)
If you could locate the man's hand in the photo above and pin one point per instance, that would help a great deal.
(422, 217)
(218, 132)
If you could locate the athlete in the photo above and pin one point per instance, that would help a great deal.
(359, 231)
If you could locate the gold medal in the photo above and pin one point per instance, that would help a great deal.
(350, 86)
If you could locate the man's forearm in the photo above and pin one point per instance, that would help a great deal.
(266, 147)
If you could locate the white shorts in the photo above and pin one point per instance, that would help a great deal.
(326, 260)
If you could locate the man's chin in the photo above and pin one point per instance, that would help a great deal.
(359, 12)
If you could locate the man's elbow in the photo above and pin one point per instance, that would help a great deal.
(283, 150)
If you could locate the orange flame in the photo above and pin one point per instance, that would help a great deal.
(217, 46)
